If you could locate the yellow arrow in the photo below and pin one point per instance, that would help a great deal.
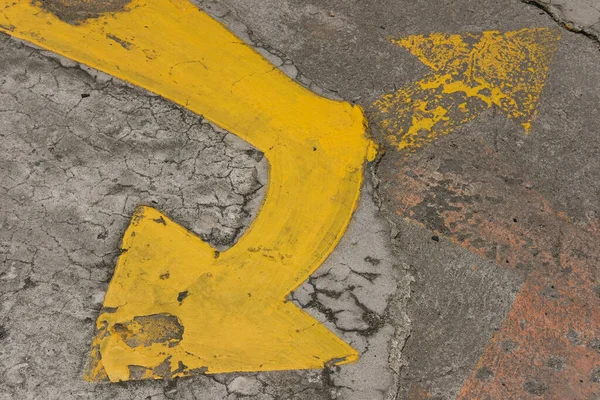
(175, 305)
(471, 73)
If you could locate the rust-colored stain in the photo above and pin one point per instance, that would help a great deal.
(418, 392)
(549, 345)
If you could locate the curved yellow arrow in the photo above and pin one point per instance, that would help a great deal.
(471, 73)
(175, 305)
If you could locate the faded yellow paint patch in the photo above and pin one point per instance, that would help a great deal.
(175, 305)
(472, 72)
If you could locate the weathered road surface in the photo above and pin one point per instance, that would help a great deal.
(469, 269)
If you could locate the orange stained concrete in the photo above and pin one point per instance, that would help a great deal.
(549, 345)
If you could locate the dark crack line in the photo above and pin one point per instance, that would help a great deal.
(571, 27)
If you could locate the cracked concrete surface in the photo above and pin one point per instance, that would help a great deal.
(81, 151)
(77, 157)
(361, 291)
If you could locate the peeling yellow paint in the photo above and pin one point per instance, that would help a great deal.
(175, 305)
(472, 72)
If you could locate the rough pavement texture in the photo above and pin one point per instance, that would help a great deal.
(458, 300)
(577, 15)
(362, 291)
(528, 204)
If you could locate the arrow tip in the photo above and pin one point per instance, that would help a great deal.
(173, 309)
(517, 65)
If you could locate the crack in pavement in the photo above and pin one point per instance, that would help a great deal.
(574, 23)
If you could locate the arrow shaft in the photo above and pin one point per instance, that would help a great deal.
(309, 202)
(315, 147)
(173, 49)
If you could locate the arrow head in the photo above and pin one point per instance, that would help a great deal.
(471, 73)
(509, 68)
(174, 307)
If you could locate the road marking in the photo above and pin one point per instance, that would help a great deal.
(175, 305)
(471, 73)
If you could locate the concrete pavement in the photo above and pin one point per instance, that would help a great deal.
(469, 269)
